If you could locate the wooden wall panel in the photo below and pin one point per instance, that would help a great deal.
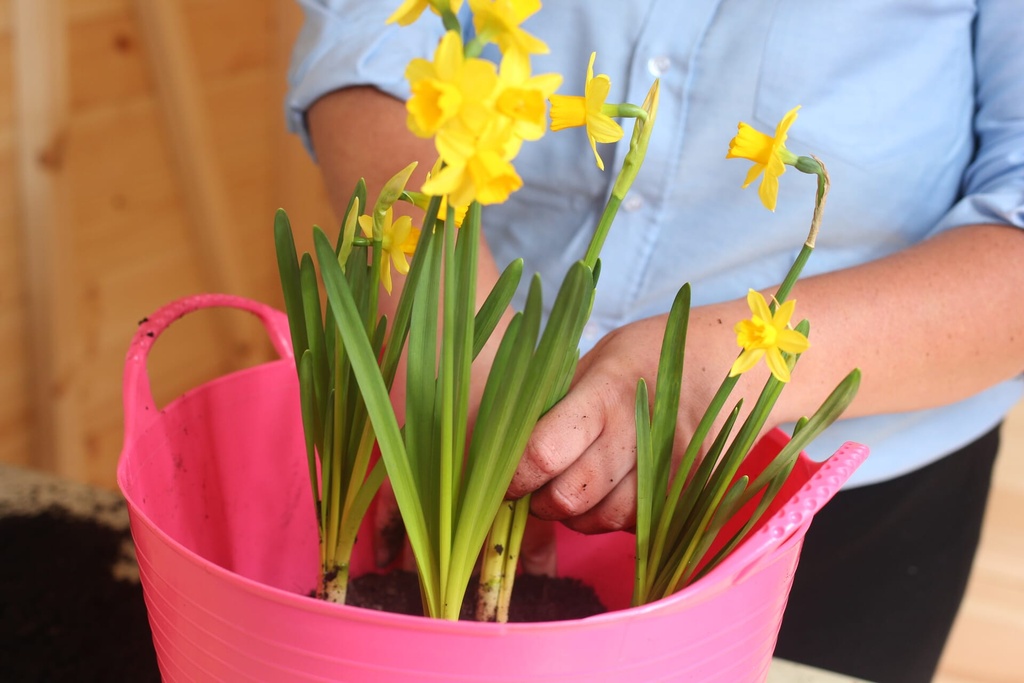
(131, 228)
(14, 404)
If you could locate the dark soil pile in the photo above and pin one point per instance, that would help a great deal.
(534, 598)
(64, 616)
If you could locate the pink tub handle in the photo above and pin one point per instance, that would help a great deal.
(797, 512)
(139, 406)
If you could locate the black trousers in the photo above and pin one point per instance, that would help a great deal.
(884, 568)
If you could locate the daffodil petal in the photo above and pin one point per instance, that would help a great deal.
(593, 146)
(768, 191)
(782, 130)
(777, 364)
(401, 264)
(408, 12)
(400, 229)
(385, 275)
(752, 174)
(597, 90)
(366, 224)
(603, 128)
(792, 341)
(784, 313)
(747, 359)
(758, 305)
(448, 57)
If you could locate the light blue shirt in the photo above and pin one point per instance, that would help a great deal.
(916, 106)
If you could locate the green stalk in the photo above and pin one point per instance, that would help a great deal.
(631, 163)
(447, 374)
(683, 470)
(492, 568)
(646, 491)
(680, 525)
(520, 515)
(389, 437)
(604, 225)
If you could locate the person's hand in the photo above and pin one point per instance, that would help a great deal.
(580, 462)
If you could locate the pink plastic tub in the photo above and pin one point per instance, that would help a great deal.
(221, 513)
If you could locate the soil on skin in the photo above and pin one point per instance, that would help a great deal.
(534, 598)
(63, 614)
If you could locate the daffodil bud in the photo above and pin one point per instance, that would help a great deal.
(389, 194)
(808, 165)
(348, 234)
(638, 144)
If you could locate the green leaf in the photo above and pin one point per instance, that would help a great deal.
(503, 440)
(310, 286)
(645, 491)
(421, 418)
(403, 312)
(495, 304)
(774, 486)
(725, 511)
(667, 392)
(680, 519)
(378, 404)
(309, 426)
(830, 410)
(288, 268)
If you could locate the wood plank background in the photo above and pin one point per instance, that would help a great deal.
(142, 155)
(143, 150)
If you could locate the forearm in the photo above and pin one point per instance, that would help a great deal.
(928, 326)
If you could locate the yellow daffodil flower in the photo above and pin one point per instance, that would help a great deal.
(769, 155)
(422, 200)
(523, 98)
(451, 86)
(410, 10)
(765, 336)
(568, 111)
(499, 21)
(399, 239)
(477, 167)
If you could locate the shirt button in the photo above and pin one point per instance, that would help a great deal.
(659, 65)
(632, 202)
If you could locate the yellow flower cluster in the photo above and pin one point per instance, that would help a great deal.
(479, 114)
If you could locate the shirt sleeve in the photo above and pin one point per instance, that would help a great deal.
(347, 43)
(993, 184)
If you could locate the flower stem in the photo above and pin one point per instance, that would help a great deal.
(813, 166)
(601, 233)
(520, 515)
